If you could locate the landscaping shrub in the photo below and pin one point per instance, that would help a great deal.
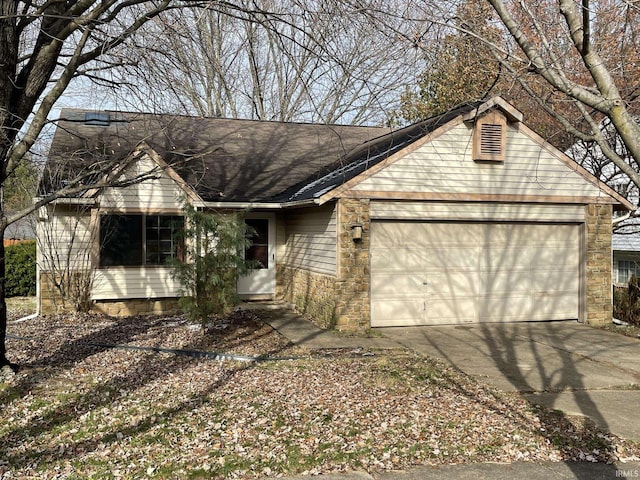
(21, 269)
(626, 302)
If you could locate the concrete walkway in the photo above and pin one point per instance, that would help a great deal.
(562, 365)
(301, 331)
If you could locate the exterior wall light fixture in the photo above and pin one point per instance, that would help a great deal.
(356, 232)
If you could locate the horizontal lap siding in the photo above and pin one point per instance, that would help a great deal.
(64, 240)
(142, 282)
(157, 196)
(152, 195)
(445, 165)
(311, 239)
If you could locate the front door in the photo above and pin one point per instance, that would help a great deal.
(261, 281)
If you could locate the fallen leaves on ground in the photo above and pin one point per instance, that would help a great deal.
(77, 410)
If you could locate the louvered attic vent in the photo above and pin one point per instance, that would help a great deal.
(489, 138)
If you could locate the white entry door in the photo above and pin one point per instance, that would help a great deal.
(260, 282)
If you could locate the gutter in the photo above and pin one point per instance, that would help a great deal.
(178, 351)
(258, 205)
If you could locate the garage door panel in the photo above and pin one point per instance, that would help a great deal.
(448, 234)
(555, 280)
(451, 284)
(398, 259)
(405, 311)
(474, 272)
(454, 257)
(556, 305)
(505, 281)
(449, 311)
(397, 285)
(502, 306)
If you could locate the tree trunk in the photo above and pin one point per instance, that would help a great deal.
(3, 309)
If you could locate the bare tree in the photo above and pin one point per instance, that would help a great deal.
(67, 261)
(46, 47)
(294, 60)
(576, 61)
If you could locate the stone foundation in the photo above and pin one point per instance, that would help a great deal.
(313, 294)
(51, 303)
(136, 306)
(50, 300)
(598, 269)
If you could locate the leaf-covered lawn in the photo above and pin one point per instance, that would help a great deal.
(79, 411)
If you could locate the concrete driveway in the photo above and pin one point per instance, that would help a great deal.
(563, 365)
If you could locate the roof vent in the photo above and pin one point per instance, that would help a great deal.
(489, 138)
(98, 119)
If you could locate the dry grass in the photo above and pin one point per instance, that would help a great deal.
(78, 410)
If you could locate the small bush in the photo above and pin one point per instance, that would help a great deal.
(626, 302)
(20, 269)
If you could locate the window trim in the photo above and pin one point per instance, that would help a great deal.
(143, 226)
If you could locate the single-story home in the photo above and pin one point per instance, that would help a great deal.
(466, 217)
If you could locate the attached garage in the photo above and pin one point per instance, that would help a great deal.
(429, 273)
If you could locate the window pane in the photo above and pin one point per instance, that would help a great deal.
(163, 238)
(259, 253)
(634, 269)
(120, 240)
(623, 271)
(260, 227)
(259, 249)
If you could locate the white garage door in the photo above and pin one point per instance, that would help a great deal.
(453, 273)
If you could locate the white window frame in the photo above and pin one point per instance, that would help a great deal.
(631, 268)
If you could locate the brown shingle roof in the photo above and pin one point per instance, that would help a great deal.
(222, 159)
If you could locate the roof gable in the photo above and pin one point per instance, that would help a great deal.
(441, 165)
(371, 156)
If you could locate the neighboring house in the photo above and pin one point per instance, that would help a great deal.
(20, 231)
(626, 252)
(463, 218)
(626, 237)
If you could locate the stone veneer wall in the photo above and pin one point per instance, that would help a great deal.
(598, 268)
(313, 294)
(136, 306)
(340, 302)
(352, 287)
(51, 303)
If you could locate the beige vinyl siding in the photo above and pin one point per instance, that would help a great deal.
(467, 211)
(133, 282)
(445, 165)
(161, 196)
(64, 239)
(311, 239)
(151, 195)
